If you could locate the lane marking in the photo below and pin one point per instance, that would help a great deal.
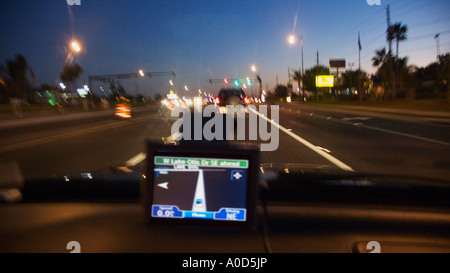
(48, 139)
(327, 156)
(403, 134)
(136, 160)
(323, 149)
(356, 118)
(348, 122)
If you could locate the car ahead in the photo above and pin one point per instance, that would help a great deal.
(232, 97)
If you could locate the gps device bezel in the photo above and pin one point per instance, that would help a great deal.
(204, 149)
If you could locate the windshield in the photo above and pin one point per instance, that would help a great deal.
(226, 93)
(357, 86)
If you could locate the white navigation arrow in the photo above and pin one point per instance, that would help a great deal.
(199, 204)
(164, 185)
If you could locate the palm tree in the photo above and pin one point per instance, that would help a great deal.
(383, 61)
(390, 37)
(398, 33)
(380, 57)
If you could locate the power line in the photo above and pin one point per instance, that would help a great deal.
(435, 21)
(424, 47)
(376, 18)
(402, 10)
(351, 35)
(428, 35)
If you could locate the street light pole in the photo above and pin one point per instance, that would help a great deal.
(437, 45)
(258, 78)
(301, 87)
(291, 40)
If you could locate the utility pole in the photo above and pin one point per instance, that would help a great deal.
(360, 94)
(289, 82)
(301, 42)
(317, 58)
(317, 88)
(388, 18)
(289, 75)
(303, 72)
(390, 89)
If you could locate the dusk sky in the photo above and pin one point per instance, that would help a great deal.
(212, 39)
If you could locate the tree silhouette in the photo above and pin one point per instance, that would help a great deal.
(16, 71)
(384, 62)
(398, 33)
(70, 73)
(281, 91)
(380, 57)
(297, 76)
(444, 73)
(395, 32)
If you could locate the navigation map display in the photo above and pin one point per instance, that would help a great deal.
(205, 188)
(200, 187)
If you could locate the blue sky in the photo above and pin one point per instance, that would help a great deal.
(204, 39)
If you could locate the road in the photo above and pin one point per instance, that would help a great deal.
(309, 136)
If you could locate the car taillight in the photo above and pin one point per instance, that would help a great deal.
(246, 100)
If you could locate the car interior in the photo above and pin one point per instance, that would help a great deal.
(276, 209)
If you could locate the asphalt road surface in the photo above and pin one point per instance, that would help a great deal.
(307, 136)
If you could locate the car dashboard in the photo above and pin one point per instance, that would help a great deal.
(298, 211)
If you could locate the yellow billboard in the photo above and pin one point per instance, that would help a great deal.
(325, 81)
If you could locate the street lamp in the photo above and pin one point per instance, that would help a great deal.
(292, 39)
(437, 45)
(72, 48)
(75, 46)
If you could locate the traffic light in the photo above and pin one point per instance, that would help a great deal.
(225, 81)
(236, 82)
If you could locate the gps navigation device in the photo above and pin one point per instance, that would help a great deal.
(201, 182)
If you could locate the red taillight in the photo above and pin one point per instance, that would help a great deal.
(246, 100)
(216, 100)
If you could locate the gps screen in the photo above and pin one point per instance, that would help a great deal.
(206, 188)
